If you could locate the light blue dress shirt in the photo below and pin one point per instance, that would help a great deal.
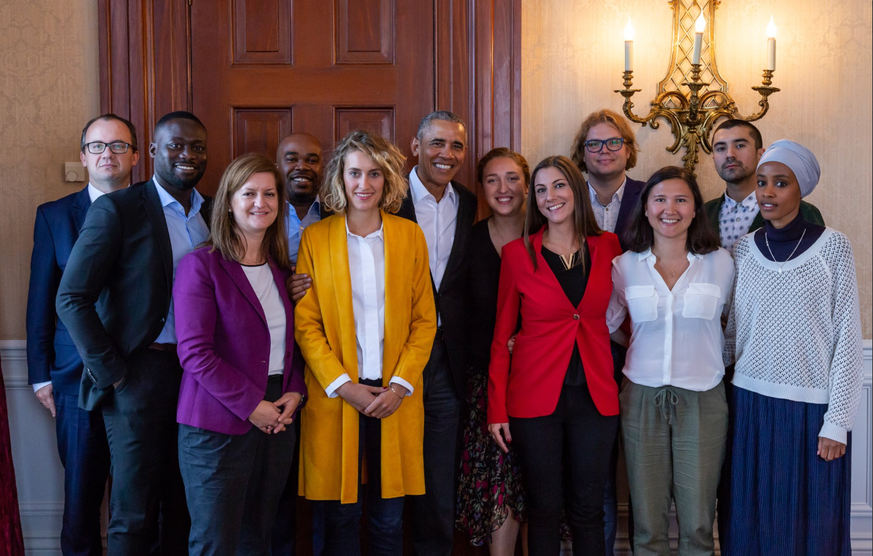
(294, 226)
(186, 233)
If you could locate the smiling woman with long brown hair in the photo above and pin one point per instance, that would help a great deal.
(556, 399)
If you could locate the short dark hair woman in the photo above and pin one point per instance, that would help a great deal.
(674, 281)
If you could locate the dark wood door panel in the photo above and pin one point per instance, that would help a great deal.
(381, 76)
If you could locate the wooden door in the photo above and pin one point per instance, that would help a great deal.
(261, 69)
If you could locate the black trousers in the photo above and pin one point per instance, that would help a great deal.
(140, 417)
(233, 484)
(565, 461)
(434, 512)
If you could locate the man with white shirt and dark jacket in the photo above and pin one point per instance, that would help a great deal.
(116, 301)
(445, 211)
(109, 152)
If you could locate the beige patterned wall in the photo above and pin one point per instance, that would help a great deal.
(48, 90)
(572, 59)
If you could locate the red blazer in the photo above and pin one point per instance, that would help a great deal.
(529, 383)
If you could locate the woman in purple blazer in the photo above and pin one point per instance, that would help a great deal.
(243, 377)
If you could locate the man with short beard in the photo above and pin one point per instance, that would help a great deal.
(116, 300)
(299, 158)
(300, 161)
(736, 149)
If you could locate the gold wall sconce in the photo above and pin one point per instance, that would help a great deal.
(692, 114)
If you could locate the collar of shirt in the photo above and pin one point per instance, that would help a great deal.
(419, 192)
(377, 233)
(750, 203)
(648, 253)
(314, 210)
(168, 201)
(94, 193)
(616, 197)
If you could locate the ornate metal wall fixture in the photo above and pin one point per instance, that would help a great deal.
(692, 114)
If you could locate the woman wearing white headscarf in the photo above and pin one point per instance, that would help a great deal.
(794, 332)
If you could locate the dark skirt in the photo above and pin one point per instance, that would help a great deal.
(784, 499)
(490, 481)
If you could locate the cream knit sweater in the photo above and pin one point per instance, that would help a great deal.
(795, 334)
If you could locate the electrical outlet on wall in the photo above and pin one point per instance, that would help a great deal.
(74, 171)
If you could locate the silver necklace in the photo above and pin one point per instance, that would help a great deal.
(767, 242)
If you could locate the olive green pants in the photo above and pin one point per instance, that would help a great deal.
(674, 444)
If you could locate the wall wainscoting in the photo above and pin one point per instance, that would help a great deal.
(40, 477)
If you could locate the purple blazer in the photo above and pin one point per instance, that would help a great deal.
(224, 343)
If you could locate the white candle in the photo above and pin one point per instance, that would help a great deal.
(771, 45)
(699, 26)
(629, 46)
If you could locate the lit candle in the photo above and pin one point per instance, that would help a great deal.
(629, 46)
(771, 45)
(699, 26)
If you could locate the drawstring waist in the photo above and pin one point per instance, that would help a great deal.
(664, 396)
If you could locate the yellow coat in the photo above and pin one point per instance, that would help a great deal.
(325, 332)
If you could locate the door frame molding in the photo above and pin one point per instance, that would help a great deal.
(145, 68)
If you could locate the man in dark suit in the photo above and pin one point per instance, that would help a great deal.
(605, 148)
(115, 299)
(109, 152)
(445, 211)
(300, 160)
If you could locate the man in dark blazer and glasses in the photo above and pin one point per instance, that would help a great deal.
(116, 300)
(109, 152)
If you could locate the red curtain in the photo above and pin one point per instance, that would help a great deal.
(11, 542)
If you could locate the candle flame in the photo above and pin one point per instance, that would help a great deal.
(700, 24)
(629, 31)
(771, 29)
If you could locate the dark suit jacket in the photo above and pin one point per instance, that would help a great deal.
(116, 292)
(629, 202)
(713, 207)
(51, 353)
(450, 298)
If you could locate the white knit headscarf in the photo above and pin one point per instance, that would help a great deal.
(797, 157)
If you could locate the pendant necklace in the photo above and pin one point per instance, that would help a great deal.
(767, 242)
(568, 260)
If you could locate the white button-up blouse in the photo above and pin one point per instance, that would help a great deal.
(676, 335)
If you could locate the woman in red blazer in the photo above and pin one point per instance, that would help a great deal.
(557, 393)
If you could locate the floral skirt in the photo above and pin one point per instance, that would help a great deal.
(490, 481)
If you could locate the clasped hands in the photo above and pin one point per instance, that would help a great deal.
(273, 417)
(373, 401)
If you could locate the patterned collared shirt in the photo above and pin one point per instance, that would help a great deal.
(735, 219)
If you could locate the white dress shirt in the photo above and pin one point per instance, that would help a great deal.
(735, 219)
(676, 335)
(367, 270)
(264, 286)
(438, 221)
(607, 215)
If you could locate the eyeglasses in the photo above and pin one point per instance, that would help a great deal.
(596, 145)
(116, 147)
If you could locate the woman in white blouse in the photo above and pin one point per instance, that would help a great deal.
(674, 282)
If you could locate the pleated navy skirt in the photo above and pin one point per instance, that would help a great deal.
(784, 499)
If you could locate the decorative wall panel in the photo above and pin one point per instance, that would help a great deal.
(365, 31)
(378, 120)
(259, 130)
(262, 31)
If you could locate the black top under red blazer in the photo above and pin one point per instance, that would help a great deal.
(549, 326)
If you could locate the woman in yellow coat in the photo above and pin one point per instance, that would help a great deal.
(365, 329)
